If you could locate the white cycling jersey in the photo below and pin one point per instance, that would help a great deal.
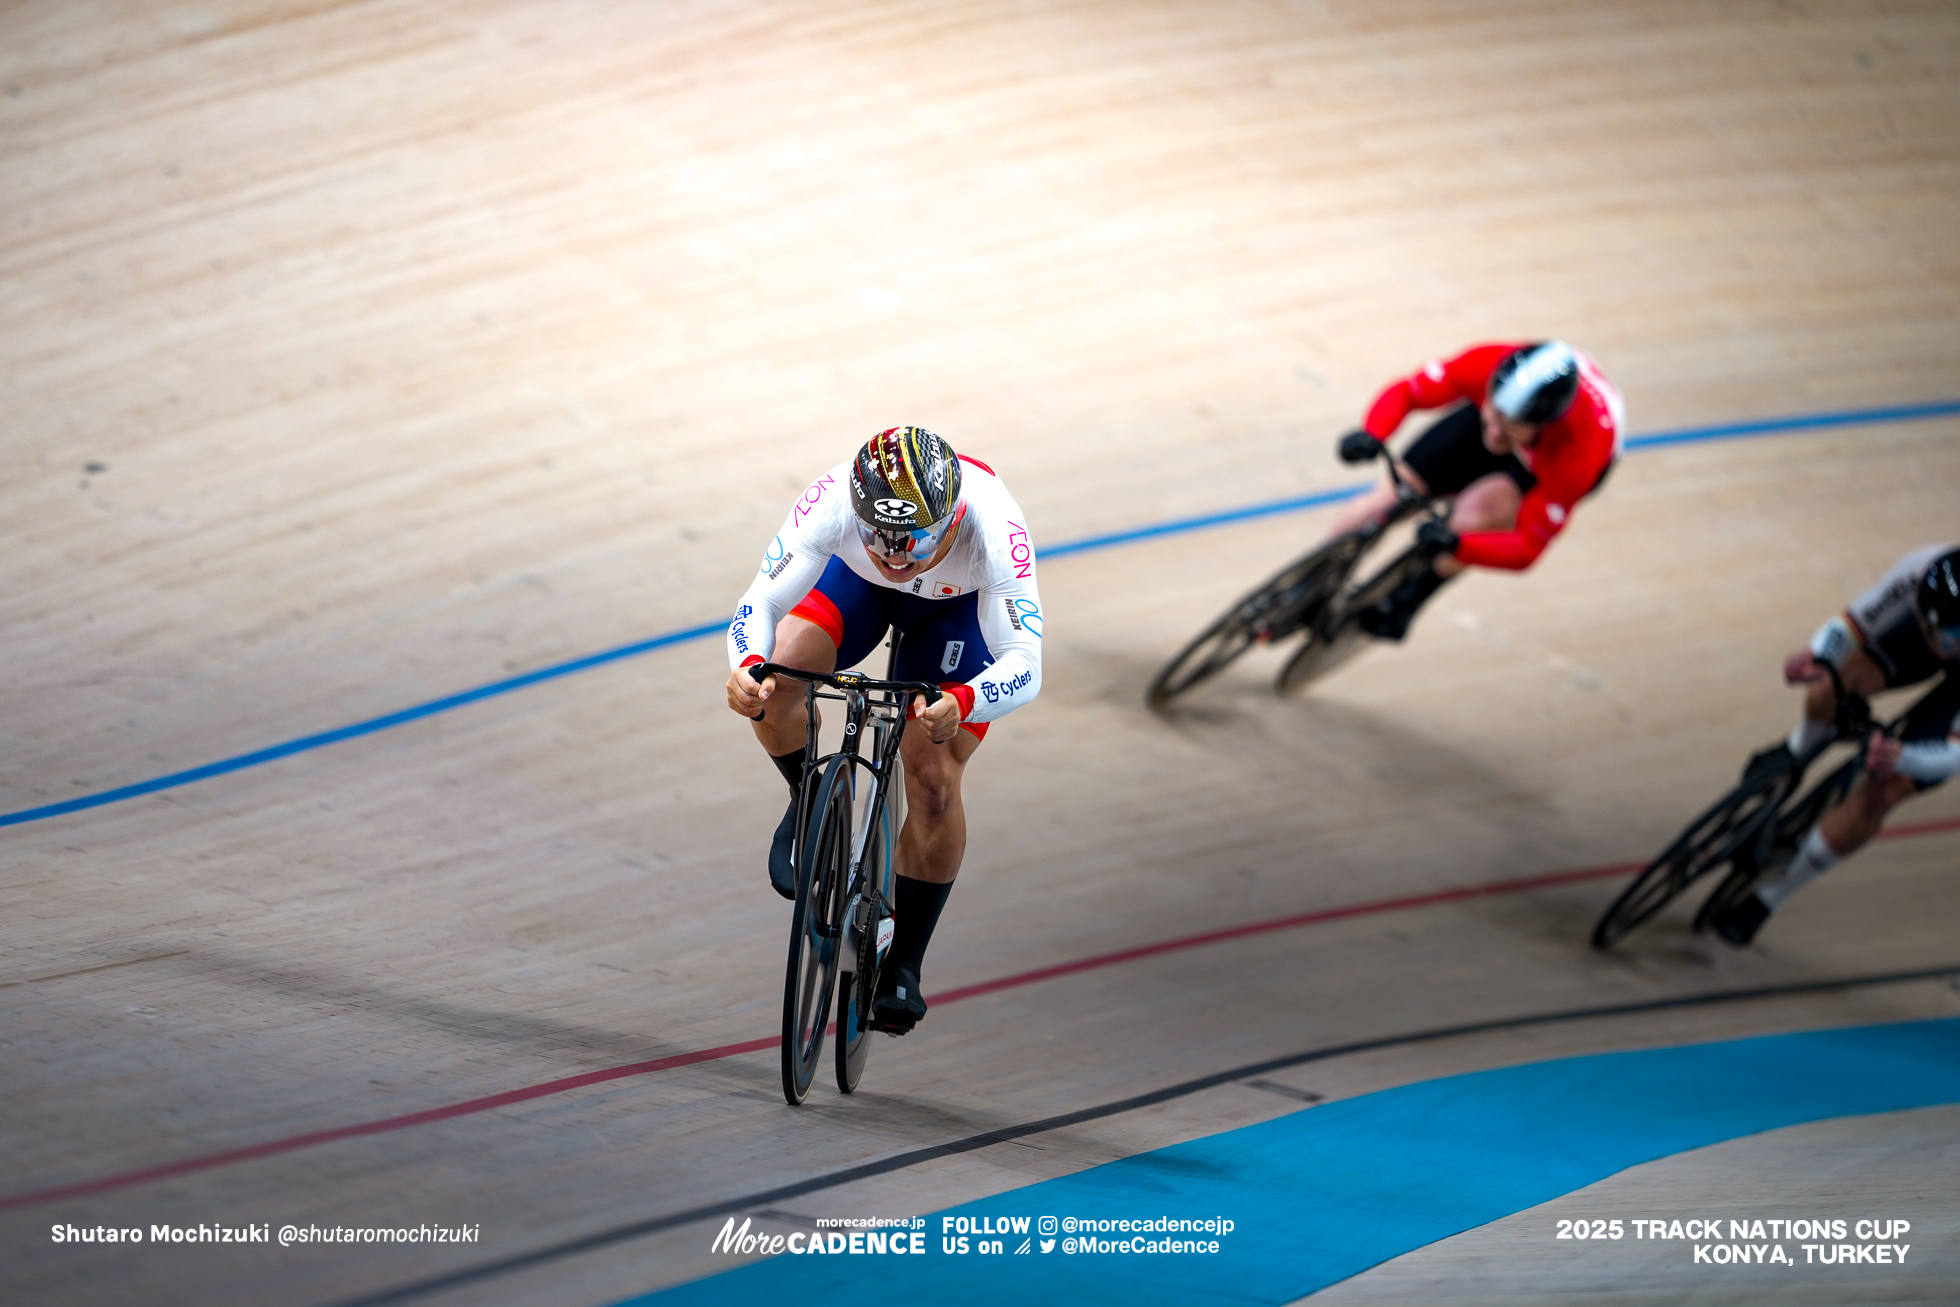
(1873, 614)
(992, 556)
(1891, 599)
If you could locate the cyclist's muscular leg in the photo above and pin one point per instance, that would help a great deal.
(784, 723)
(1860, 675)
(784, 731)
(1890, 778)
(1489, 503)
(1851, 825)
(929, 852)
(1818, 723)
(1837, 835)
(934, 839)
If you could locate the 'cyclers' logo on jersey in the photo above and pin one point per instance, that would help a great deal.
(1023, 615)
(995, 691)
(739, 632)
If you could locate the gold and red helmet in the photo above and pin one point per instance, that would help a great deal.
(905, 487)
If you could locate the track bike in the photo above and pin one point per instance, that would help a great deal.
(849, 813)
(1311, 597)
(1753, 830)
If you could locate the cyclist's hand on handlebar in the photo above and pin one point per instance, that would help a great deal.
(1882, 755)
(745, 696)
(1359, 447)
(1802, 667)
(940, 719)
(1436, 538)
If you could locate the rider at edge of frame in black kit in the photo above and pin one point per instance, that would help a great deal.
(1537, 428)
(912, 537)
(1902, 631)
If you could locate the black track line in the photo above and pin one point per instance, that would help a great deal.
(1006, 1134)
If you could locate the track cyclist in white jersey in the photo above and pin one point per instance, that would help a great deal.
(1904, 630)
(908, 536)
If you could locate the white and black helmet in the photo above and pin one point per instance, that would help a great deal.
(1536, 383)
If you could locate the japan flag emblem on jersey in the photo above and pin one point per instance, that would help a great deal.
(941, 590)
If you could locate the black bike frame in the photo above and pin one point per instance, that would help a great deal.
(1853, 726)
(1408, 502)
(857, 692)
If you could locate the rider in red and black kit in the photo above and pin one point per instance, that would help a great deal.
(1536, 430)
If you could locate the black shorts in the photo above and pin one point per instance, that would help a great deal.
(1901, 652)
(1932, 717)
(1451, 456)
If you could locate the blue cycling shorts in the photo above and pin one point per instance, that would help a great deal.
(940, 638)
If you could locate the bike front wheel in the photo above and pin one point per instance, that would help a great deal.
(1729, 827)
(1286, 602)
(857, 986)
(816, 934)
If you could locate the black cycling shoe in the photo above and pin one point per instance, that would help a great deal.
(1389, 619)
(1738, 925)
(898, 1004)
(782, 865)
(1769, 762)
(1386, 620)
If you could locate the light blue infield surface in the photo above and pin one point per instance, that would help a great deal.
(1180, 526)
(1329, 1191)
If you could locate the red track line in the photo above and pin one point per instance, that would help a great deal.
(469, 1107)
(275, 1146)
(1287, 923)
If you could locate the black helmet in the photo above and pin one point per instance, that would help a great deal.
(1536, 383)
(905, 487)
(1937, 599)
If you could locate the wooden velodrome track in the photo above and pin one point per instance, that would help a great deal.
(356, 355)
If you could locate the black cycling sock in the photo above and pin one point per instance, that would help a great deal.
(916, 904)
(791, 766)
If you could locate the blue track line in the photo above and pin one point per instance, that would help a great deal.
(1684, 436)
(1850, 417)
(1183, 524)
(1323, 1194)
(367, 727)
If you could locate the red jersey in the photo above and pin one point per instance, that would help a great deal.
(1568, 459)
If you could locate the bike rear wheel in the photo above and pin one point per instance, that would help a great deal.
(1728, 828)
(1286, 602)
(1333, 637)
(1320, 653)
(816, 935)
(1778, 843)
